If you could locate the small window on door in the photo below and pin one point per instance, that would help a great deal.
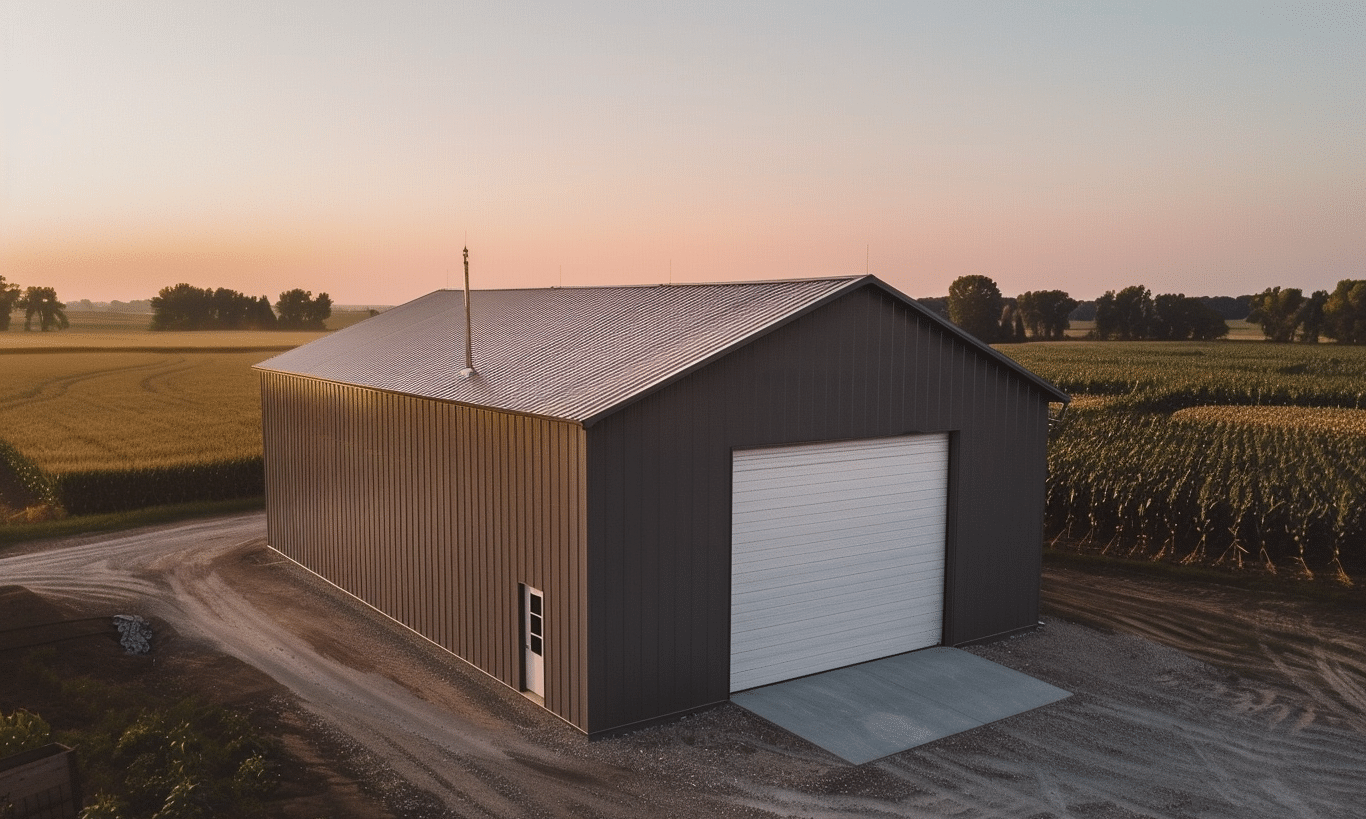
(533, 641)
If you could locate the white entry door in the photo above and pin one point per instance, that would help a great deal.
(837, 554)
(533, 641)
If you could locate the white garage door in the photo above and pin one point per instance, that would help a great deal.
(837, 554)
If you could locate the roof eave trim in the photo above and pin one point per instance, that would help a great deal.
(486, 407)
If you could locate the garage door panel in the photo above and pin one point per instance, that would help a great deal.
(890, 473)
(834, 648)
(887, 472)
(837, 555)
(811, 535)
(827, 516)
(833, 581)
(770, 497)
(823, 536)
(822, 585)
(786, 553)
(811, 622)
(843, 451)
(802, 606)
(815, 592)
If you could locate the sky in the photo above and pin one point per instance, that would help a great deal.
(355, 148)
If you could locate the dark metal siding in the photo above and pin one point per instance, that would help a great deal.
(433, 513)
(659, 494)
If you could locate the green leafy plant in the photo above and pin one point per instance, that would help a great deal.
(22, 731)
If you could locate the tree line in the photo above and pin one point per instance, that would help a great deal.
(186, 307)
(1289, 315)
(1133, 313)
(36, 302)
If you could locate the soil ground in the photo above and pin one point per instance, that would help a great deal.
(1189, 700)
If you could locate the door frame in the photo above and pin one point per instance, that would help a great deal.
(532, 606)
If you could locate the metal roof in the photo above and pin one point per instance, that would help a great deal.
(570, 353)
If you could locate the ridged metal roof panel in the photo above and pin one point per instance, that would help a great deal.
(570, 353)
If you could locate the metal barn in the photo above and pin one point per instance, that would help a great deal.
(644, 499)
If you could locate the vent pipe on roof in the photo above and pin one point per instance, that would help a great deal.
(469, 347)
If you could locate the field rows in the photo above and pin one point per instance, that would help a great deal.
(78, 411)
(1167, 376)
(1210, 453)
(1213, 491)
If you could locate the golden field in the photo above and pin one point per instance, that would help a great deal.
(69, 411)
(108, 393)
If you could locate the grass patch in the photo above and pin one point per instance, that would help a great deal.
(17, 533)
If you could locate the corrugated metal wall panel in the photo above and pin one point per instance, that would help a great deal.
(433, 513)
(659, 496)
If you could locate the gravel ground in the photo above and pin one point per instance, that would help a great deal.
(1189, 701)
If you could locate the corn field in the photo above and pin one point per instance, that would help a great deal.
(1210, 492)
(114, 429)
(1235, 454)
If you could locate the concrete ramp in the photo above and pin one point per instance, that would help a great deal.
(875, 709)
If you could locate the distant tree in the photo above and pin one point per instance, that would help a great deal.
(299, 310)
(1232, 308)
(1045, 312)
(936, 304)
(9, 299)
(42, 302)
(1005, 328)
(1084, 311)
(182, 307)
(1310, 318)
(320, 311)
(975, 305)
(261, 316)
(1278, 312)
(1177, 317)
(228, 309)
(1125, 315)
(1344, 313)
(185, 307)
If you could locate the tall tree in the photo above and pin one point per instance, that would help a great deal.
(42, 302)
(1124, 315)
(9, 298)
(298, 310)
(1045, 312)
(975, 305)
(182, 307)
(261, 316)
(1344, 314)
(1278, 312)
(1177, 317)
(1311, 317)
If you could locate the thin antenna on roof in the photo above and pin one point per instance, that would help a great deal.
(671, 271)
(867, 258)
(469, 335)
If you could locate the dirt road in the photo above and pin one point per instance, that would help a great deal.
(1277, 729)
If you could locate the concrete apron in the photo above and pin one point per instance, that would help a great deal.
(874, 709)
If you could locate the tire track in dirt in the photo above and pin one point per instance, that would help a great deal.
(1250, 634)
(56, 388)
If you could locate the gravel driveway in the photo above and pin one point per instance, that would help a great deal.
(1189, 701)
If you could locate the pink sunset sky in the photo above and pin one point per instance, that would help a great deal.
(353, 148)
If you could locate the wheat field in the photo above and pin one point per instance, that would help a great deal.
(114, 410)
